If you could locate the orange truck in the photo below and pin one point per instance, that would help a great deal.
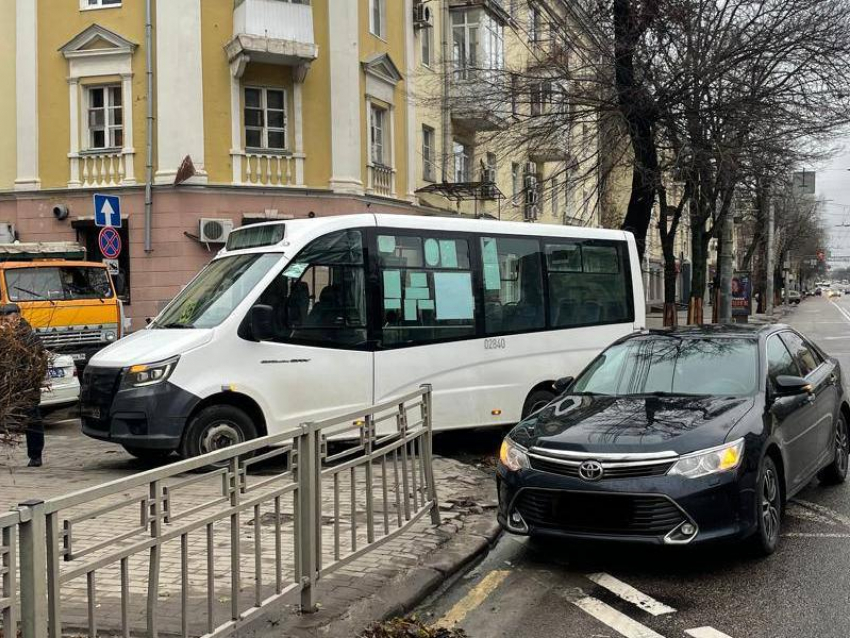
(71, 303)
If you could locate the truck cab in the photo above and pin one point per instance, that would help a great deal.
(70, 303)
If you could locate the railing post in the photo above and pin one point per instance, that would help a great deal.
(429, 455)
(308, 477)
(33, 583)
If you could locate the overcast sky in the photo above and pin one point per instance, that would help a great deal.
(833, 183)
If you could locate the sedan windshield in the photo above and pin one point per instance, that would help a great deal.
(216, 291)
(674, 366)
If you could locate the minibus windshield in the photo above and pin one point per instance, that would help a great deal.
(216, 291)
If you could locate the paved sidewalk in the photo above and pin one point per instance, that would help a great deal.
(74, 462)
(656, 319)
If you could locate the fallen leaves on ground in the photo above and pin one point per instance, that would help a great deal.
(409, 628)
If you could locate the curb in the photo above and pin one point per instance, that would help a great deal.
(404, 593)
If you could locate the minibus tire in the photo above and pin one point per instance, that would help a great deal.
(231, 419)
(537, 400)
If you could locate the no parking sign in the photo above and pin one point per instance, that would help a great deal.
(110, 243)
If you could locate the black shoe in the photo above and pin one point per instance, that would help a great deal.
(36, 462)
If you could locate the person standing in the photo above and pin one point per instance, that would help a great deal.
(11, 319)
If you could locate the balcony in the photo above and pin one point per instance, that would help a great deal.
(274, 32)
(476, 104)
(381, 180)
(96, 169)
(258, 167)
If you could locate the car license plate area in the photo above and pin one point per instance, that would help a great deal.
(56, 373)
(78, 356)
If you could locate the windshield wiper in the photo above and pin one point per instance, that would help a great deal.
(174, 325)
(33, 293)
(663, 393)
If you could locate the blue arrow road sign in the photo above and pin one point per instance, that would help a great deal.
(107, 210)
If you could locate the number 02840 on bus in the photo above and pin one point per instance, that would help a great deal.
(303, 320)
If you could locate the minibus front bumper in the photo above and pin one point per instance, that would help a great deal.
(151, 417)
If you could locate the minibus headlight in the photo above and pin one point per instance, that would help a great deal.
(148, 374)
(512, 456)
(719, 459)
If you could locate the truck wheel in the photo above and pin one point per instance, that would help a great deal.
(214, 428)
(148, 455)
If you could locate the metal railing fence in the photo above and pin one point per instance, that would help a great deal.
(179, 552)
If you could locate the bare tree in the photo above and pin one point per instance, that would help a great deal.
(23, 367)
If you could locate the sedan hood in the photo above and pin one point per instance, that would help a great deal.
(150, 346)
(585, 423)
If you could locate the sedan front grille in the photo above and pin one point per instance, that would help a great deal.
(610, 469)
(599, 513)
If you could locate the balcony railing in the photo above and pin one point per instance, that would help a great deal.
(275, 31)
(93, 169)
(267, 168)
(476, 102)
(381, 180)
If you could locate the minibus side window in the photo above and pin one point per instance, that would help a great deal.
(587, 284)
(513, 285)
(426, 289)
(320, 297)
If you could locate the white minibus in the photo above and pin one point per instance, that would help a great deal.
(303, 320)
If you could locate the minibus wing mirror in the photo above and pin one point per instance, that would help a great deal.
(261, 320)
(562, 384)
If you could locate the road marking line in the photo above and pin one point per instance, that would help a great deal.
(814, 535)
(630, 594)
(843, 312)
(473, 598)
(616, 620)
(706, 632)
(795, 510)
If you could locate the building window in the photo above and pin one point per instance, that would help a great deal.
(541, 98)
(377, 135)
(265, 118)
(463, 160)
(554, 186)
(378, 18)
(516, 183)
(99, 4)
(105, 117)
(427, 36)
(428, 153)
(478, 42)
(535, 25)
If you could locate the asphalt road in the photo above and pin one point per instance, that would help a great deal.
(595, 591)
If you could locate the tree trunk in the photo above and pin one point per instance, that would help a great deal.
(671, 311)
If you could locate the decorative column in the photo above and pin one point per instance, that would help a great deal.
(179, 88)
(237, 69)
(74, 141)
(299, 76)
(412, 129)
(346, 98)
(128, 151)
(26, 94)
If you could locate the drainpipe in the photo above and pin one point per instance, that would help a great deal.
(149, 130)
(446, 29)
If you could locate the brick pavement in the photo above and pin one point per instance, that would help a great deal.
(74, 462)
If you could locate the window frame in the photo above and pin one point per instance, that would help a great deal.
(429, 155)
(378, 30)
(94, 5)
(426, 45)
(778, 336)
(264, 128)
(109, 108)
(385, 142)
(462, 158)
(819, 360)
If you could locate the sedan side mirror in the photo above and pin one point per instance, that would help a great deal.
(788, 385)
(261, 321)
(562, 384)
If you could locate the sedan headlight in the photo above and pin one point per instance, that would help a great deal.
(723, 458)
(148, 374)
(513, 456)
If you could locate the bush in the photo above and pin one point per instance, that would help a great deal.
(23, 367)
(409, 628)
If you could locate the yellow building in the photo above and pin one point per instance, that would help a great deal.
(260, 109)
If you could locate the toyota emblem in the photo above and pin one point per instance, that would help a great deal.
(591, 470)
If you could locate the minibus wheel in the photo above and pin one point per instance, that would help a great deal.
(216, 427)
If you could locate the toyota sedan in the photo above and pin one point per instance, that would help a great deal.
(679, 437)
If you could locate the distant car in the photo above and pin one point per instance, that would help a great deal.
(645, 447)
(62, 386)
(794, 296)
(833, 292)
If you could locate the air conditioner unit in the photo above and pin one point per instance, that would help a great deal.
(214, 231)
(530, 168)
(488, 175)
(532, 212)
(422, 17)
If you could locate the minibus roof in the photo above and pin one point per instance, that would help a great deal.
(316, 225)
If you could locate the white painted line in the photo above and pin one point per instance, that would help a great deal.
(795, 510)
(826, 511)
(706, 632)
(814, 535)
(630, 594)
(617, 621)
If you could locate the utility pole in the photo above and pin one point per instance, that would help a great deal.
(724, 312)
(768, 287)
